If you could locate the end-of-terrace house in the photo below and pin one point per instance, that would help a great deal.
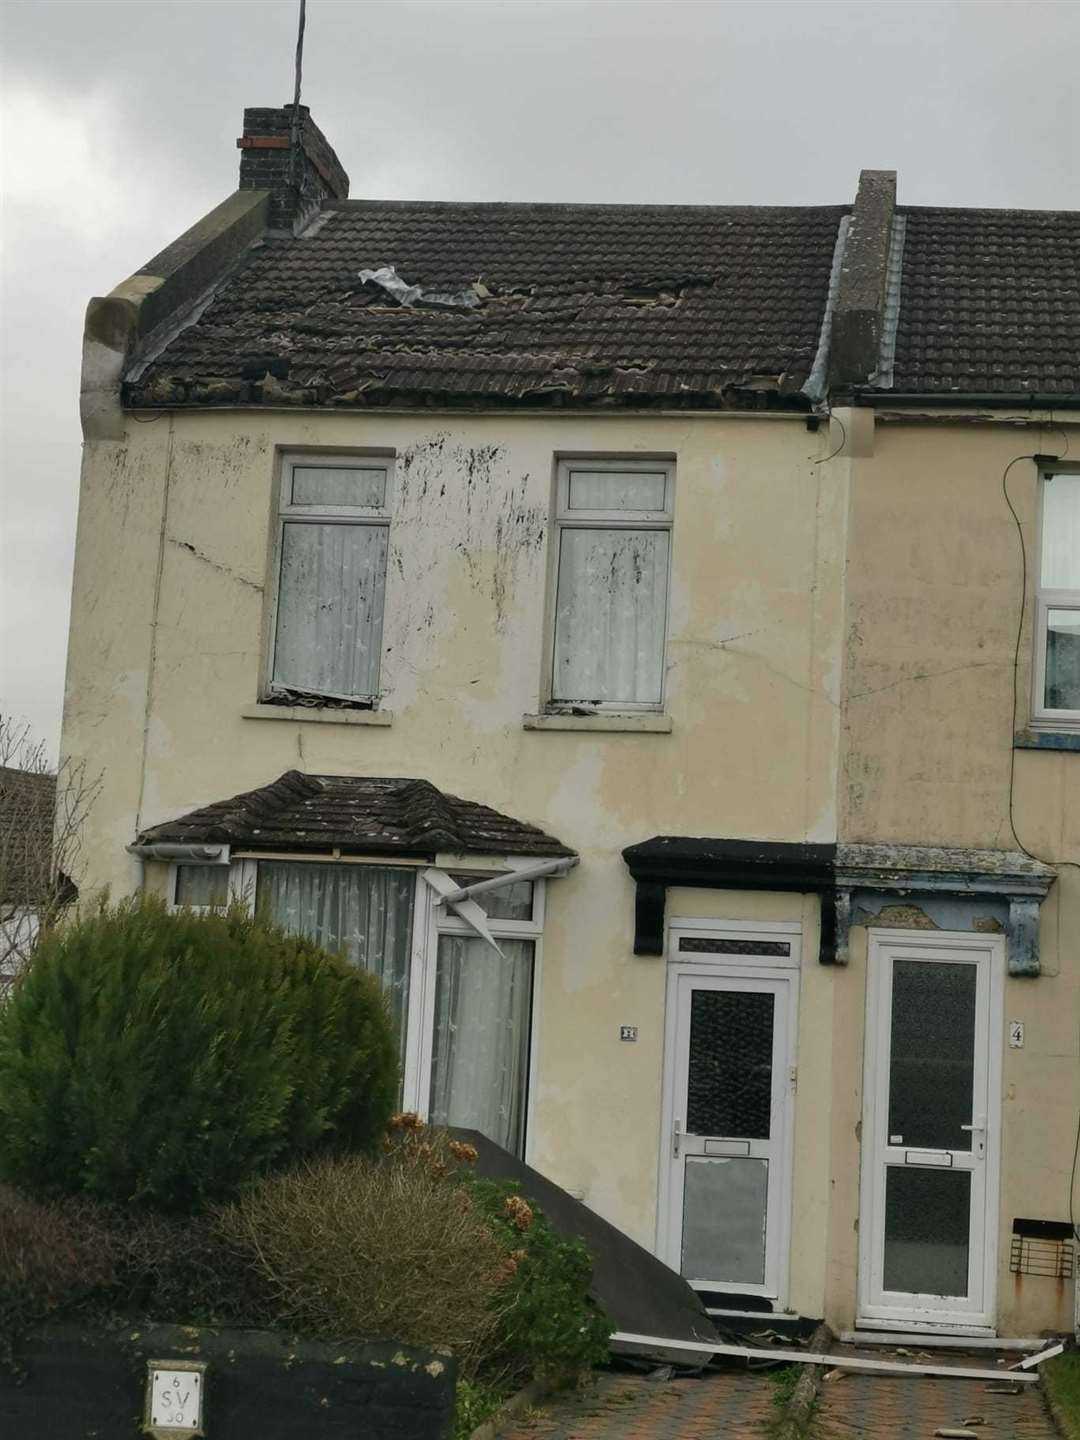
(647, 637)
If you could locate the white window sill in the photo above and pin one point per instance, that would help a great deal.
(316, 715)
(644, 723)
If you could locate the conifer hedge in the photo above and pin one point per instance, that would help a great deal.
(161, 1059)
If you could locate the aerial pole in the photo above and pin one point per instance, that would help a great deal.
(294, 138)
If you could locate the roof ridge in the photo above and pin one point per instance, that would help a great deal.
(592, 207)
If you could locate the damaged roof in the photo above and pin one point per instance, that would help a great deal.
(584, 304)
(356, 815)
(403, 302)
(989, 302)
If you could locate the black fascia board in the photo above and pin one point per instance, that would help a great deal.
(1029, 399)
(720, 864)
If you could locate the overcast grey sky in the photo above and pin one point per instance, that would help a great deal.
(118, 120)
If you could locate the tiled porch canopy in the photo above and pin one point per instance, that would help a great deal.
(355, 815)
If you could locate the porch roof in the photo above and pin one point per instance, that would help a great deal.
(357, 815)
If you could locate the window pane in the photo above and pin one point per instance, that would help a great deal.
(932, 1064)
(480, 1050)
(330, 608)
(927, 1224)
(1061, 533)
(724, 1207)
(513, 901)
(729, 1070)
(1062, 690)
(363, 912)
(363, 487)
(202, 885)
(615, 490)
(610, 616)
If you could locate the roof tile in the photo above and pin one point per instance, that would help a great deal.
(590, 303)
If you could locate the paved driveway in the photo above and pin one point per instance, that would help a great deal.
(736, 1405)
(863, 1407)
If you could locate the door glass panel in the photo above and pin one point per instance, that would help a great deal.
(729, 1081)
(927, 1228)
(932, 1063)
(724, 1204)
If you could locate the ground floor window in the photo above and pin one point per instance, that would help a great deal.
(480, 1043)
(463, 1011)
(364, 912)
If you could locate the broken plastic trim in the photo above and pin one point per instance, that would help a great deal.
(460, 899)
(511, 877)
(469, 910)
(656, 1343)
(387, 278)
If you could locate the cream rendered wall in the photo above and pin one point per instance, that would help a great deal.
(167, 645)
(933, 591)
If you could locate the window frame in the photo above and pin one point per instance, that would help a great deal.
(233, 889)
(441, 920)
(286, 512)
(564, 518)
(1043, 717)
(429, 921)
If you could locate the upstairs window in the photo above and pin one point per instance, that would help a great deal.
(1057, 636)
(332, 539)
(613, 525)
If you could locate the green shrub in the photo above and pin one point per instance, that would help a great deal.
(474, 1403)
(161, 1059)
(548, 1325)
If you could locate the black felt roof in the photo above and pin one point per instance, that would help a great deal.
(363, 815)
(618, 304)
(989, 302)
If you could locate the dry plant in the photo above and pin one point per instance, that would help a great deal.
(51, 1256)
(376, 1248)
(42, 815)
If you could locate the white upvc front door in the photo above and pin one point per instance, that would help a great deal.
(725, 1171)
(931, 1127)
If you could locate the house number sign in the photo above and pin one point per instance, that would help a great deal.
(174, 1398)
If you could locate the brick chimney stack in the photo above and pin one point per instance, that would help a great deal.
(298, 184)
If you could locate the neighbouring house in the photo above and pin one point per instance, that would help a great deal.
(648, 637)
(32, 888)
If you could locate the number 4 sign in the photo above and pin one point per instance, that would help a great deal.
(174, 1398)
